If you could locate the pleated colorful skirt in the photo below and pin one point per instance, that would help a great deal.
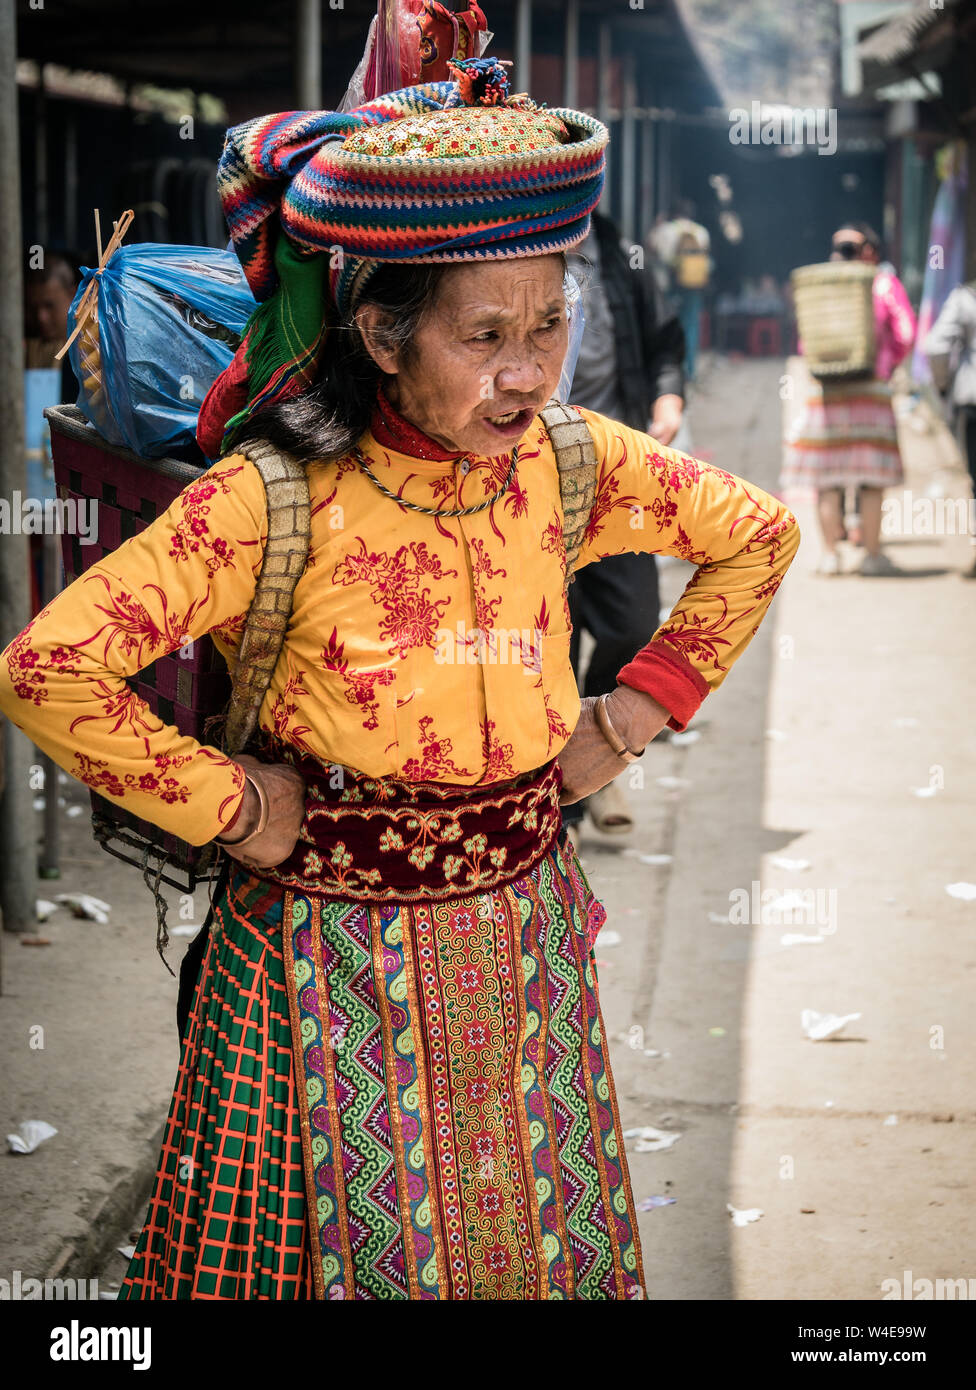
(386, 1101)
(845, 435)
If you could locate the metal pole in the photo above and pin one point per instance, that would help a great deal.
(523, 46)
(667, 189)
(71, 180)
(604, 57)
(49, 865)
(41, 223)
(647, 176)
(628, 143)
(571, 56)
(18, 854)
(308, 55)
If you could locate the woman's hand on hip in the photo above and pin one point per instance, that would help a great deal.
(285, 790)
(587, 761)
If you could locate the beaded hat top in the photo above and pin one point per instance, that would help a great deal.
(444, 171)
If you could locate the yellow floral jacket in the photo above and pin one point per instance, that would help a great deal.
(419, 647)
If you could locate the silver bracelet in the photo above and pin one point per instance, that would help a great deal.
(263, 816)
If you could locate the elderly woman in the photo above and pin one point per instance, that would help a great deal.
(394, 1080)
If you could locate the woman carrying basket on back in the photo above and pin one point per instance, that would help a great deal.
(845, 436)
(394, 1081)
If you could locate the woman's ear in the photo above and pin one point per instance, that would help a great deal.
(371, 320)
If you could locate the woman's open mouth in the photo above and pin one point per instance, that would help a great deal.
(516, 422)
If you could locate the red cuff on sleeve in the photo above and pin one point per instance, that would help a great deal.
(670, 679)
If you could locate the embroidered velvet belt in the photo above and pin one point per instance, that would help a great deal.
(382, 840)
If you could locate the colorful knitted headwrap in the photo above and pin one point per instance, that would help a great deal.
(446, 171)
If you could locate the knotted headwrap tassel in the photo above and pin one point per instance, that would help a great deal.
(444, 171)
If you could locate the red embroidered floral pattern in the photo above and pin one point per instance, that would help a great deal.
(558, 728)
(26, 675)
(674, 473)
(191, 532)
(231, 630)
(126, 708)
(96, 773)
(435, 761)
(361, 684)
(139, 637)
(486, 609)
(283, 712)
(412, 616)
(693, 635)
(607, 499)
(498, 756)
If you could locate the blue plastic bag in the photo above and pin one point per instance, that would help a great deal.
(169, 321)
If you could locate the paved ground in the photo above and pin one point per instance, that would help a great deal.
(852, 695)
(860, 1152)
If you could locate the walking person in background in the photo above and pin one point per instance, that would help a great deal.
(51, 280)
(950, 346)
(684, 246)
(49, 289)
(629, 367)
(846, 436)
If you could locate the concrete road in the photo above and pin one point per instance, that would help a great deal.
(852, 700)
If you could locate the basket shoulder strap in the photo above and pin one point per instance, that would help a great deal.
(577, 463)
(285, 554)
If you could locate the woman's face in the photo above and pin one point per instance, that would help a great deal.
(492, 344)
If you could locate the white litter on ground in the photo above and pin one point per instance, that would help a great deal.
(792, 866)
(689, 736)
(744, 1217)
(790, 901)
(651, 1140)
(29, 1135)
(672, 783)
(925, 791)
(891, 1120)
(792, 938)
(43, 908)
(718, 919)
(966, 891)
(605, 938)
(776, 735)
(819, 1026)
(84, 905)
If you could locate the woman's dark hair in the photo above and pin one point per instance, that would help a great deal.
(866, 231)
(329, 418)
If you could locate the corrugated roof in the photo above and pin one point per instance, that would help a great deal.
(898, 39)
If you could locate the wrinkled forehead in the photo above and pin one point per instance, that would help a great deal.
(507, 289)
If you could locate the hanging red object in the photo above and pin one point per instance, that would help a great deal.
(413, 41)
